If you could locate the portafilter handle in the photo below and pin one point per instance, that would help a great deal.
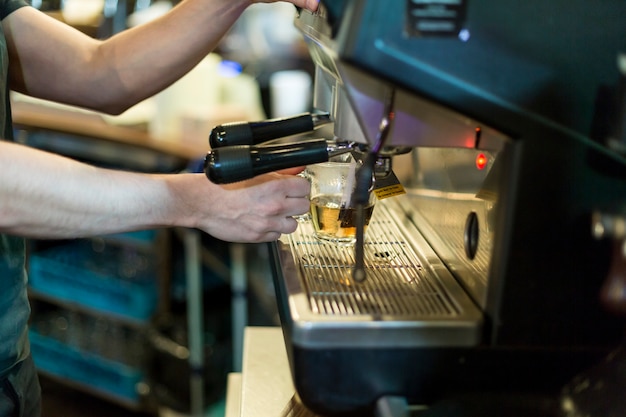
(237, 163)
(254, 133)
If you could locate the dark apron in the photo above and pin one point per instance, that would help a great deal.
(20, 393)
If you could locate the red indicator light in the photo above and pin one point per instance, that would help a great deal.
(481, 161)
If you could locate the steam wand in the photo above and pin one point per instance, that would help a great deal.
(364, 178)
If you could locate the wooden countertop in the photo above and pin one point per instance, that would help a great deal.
(266, 387)
(33, 116)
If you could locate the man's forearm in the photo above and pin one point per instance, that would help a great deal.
(184, 36)
(44, 195)
(49, 196)
(114, 74)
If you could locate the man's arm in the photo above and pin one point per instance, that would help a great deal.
(51, 60)
(49, 196)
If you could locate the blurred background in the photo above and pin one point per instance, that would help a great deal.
(151, 323)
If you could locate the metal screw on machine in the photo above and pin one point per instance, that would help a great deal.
(608, 225)
(613, 226)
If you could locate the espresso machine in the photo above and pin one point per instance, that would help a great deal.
(499, 130)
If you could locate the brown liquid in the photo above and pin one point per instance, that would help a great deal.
(334, 222)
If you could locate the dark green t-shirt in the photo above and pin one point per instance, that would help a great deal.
(14, 307)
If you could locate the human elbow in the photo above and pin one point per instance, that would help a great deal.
(115, 107)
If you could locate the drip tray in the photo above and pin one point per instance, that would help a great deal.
(408, 299)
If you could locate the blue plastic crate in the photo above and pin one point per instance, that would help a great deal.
(99, 374)
(113, 281)
(142, 236)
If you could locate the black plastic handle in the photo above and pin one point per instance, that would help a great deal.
(254, 133)
(238, 163)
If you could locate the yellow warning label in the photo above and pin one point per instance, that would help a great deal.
(389, 191)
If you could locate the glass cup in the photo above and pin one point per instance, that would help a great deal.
(332, 213)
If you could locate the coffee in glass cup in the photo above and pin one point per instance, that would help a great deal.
(332, 213)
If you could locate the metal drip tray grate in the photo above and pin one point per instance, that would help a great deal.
(397, 282)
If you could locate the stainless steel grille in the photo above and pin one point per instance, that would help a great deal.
(397, 283)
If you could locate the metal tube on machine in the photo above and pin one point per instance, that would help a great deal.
(365, 178)
(195, 321)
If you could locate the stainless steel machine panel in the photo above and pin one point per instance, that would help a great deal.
(481, 278)
(409, 299)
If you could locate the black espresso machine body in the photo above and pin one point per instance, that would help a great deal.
(484, 276)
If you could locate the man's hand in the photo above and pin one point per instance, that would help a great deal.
(256, 210)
